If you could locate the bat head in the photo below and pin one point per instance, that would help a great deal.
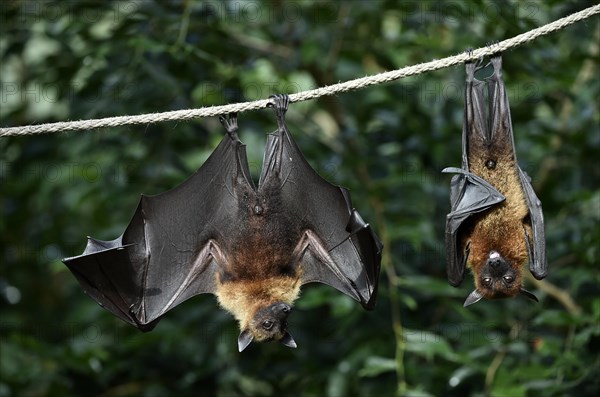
(269, 323)
(497, 279)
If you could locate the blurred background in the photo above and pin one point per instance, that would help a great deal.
(70, 60)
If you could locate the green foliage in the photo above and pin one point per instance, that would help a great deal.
(76, 60)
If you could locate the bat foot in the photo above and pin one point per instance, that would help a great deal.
(478, 63)
(280, 103)
(469, 53)
(492, 44)
(496, 61)
(230, 124)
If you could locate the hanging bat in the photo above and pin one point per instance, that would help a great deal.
(251, 247)
(496, 224)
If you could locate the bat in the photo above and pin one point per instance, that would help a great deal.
(496, 223)
(251, 247)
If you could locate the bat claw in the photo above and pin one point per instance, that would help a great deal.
(469, 52)
(492, 44)
(279, 102)
(230, 123)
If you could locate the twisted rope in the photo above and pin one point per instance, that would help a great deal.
(305, 95)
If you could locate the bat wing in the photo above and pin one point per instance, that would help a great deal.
(337, 247)
(469, 195)
(166, 254)
(103, 277)
(536, 243)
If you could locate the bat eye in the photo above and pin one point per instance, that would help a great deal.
(267, 324)
(487, 281)
(509, 279)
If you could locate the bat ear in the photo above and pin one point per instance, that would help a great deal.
(528, 294)
(288, 341)
(244, 340)
(473, 297)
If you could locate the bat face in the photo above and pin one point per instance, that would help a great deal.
(268, 324)
(496, 223)
(261, 307)
(497, 279)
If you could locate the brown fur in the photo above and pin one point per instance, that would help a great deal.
(500, 228)
(258, 271)
(244, 298)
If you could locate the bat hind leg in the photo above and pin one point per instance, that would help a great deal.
(230, 124)
(279, 103)
(491, 44)
(476, 65)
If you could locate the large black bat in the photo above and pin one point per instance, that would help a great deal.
(253, 248)
(496, 223)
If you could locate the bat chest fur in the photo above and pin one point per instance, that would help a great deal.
(262, 248)
(501, 227)
(260, 271)
(261, 243)
(243, 298)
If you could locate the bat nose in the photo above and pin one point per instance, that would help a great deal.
(285, 308)
(495, 263)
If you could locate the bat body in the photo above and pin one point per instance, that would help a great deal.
(496, 224)
(253, 247)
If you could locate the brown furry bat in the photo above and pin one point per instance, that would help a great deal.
(496, 223)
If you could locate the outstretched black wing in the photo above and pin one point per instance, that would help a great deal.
(166, 255)
(336, 246)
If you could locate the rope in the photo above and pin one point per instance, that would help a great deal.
(305, 95)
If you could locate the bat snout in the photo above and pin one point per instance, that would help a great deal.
(278, 313)
(496, 266)
(284, 308)
(280, 310)
(497, 279)
(495, 263)
(494, 257)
